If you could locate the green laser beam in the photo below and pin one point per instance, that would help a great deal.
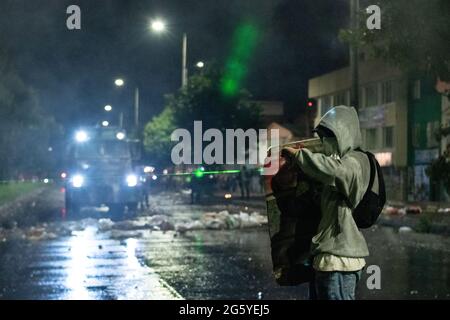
(200, 173)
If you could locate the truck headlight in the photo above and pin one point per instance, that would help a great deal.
(77, 181)
(132, 180)
(120, 135)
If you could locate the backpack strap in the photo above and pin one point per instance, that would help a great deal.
(373, 170)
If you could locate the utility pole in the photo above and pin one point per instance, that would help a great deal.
(136, 108)
(354, 55)
(184, 71)
(121, 120)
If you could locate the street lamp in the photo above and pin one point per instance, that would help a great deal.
(105, 123)
(159, 26)
(200, 64)
(119, 82)
(108, 108)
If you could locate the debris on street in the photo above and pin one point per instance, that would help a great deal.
(405, 229)
(223, 220)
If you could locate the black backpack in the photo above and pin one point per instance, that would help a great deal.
(369, 208)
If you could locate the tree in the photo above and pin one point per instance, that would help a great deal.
(157, 136)
(202, 99)
(414, 35)
(24, 128)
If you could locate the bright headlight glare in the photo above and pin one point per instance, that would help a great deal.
(81, 136)
(120, 135)
(132, 180)
(77, 181)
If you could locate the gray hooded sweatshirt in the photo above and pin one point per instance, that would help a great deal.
(345, 176)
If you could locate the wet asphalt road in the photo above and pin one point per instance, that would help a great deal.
(86, 262)
(83, 266)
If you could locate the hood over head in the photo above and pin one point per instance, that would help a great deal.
(344, 123)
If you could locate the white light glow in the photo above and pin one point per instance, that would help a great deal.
(158, 26)
(119, 82)
(120, 135)
(79, 264)
(108, 107)
(132, 180)
(77, 181)
(81, 136)
(149, 169)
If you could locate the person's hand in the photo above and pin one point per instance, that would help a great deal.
(289, 153)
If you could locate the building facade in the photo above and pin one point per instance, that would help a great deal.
(424, 117)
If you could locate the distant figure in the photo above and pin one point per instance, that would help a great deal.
(195, 186)
(244, 182)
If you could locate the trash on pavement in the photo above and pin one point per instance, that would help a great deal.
(443, 210)
(223, 220)
(105, 224)
(405, 229)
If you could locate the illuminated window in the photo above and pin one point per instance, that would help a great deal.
(342, 98)
(325, 104)
(384, 158)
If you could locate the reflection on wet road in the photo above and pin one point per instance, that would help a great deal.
(83, 266)
(219, 264)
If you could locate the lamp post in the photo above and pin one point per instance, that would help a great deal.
(354, 65)
(120, 83)
(158, 26)
(184, 71)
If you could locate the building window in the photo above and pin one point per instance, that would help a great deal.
(388, 137)
(417, 89)
(341, 98)
(325, 104)
(432, 129)
(371, 95)
(371, 138)
(387, 94)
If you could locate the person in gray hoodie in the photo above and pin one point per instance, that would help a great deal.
(338, 248)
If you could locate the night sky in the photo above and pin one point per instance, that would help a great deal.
(73, 71)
